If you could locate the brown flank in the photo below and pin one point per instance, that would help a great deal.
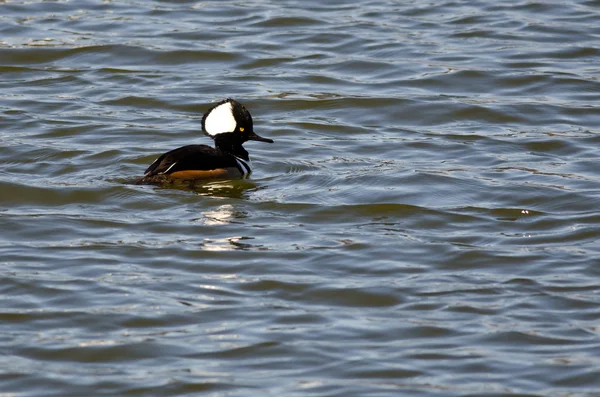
(191, 174)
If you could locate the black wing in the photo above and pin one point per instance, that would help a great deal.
(191, 157)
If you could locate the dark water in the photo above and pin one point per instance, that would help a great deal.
(427, 222)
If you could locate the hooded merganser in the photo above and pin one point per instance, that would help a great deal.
(229, 124)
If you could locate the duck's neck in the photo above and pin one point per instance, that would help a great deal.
(230, 143)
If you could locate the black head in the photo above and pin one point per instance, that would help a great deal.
(230, 116)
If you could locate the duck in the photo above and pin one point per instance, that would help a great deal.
(230, 125)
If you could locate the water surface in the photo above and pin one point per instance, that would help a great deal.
(425, 224)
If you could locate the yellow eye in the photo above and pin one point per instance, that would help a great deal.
(241, 129)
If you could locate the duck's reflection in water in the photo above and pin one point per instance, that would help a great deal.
(222, 215)
(228, 244)
(230, 188)
(225, 214)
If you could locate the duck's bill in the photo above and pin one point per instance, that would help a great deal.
(254, 137)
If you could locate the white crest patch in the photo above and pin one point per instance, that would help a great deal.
(220, 120)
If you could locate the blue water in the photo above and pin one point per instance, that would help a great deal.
(425, 224)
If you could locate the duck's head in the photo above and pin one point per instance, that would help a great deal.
(230, 117)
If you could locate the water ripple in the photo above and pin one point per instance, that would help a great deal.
(425, 223)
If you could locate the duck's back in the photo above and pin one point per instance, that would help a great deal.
(192, 162)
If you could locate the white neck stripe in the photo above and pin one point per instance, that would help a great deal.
(245, 166)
